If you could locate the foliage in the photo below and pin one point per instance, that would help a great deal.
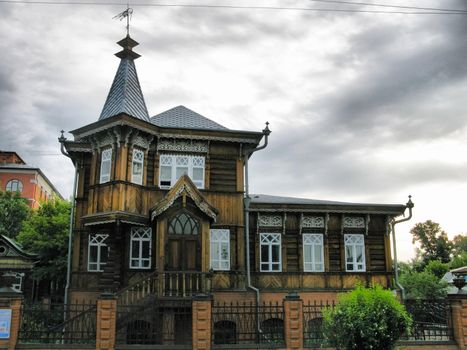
(423, 285)
(46, 234)
(13, 211)
(433, 241)
(458, 261)
(437, 268)
(459, 245)
(366, 318)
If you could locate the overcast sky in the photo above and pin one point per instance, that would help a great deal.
(363, 107)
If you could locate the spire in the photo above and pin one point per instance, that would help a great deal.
(125, 95)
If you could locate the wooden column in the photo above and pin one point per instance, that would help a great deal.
(106, 322)
(201, 323)
(293, 322)
(10, 301)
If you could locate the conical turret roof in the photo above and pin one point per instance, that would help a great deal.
(125, 95)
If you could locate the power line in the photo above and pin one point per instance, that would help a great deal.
(46, 2)
(389, 6)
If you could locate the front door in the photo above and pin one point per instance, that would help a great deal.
(183, 243)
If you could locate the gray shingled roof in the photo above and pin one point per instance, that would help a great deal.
(125, 95)
(182, 117)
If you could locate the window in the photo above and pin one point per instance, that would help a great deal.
(137, 167)
(220, 249)
(14, 186)
(140, 248)
(313, 260)
(270, 252)
(172, 167)
(354, 252)
(106, 164)
(183, 224)
(97, 252)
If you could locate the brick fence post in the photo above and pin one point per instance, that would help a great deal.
(293, 323)
(458, 304)
(11, 300)
(106, 322)
(201, 324)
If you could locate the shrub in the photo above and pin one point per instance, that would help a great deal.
(437, 268)
(366, 318)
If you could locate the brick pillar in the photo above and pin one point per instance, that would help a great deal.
(202, 322)
(459, 318)
(293, 322)
(11, 300)
(106, 321)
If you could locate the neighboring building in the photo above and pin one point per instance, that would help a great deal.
(160, 214)
(15, 266)
(16, 175)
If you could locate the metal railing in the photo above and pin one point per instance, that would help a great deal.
(175, 284)
(44, 323)
(237, 323)
(312, 322)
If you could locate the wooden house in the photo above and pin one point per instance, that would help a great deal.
(161, 210)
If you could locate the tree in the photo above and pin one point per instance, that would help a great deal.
(46, 234)
(433, 241)
(423, 285)
(458, 261)
(366, 318)
(459, 245)
(13, 211)
(437, 268)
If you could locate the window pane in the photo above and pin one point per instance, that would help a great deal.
(146, 263)
(318, 253)
(166, 173)
(146, 249)
(348, 252)
(135, 249)
(104, 254)
(181, 171)
(92, 254)
(307, 253)
(359, 251)
(275, 253)
(225, 251)
(198, 174)
(264, 253)
(349, 267)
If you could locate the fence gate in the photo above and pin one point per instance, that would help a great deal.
(157, 322)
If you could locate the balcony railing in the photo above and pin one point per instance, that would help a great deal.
(174, 284)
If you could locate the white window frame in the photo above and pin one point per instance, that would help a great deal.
(137, 161)
(270, 240)
(311, 241)
(220, 242)
(139, 236)
(354, 242)
(176, 161)
(97, 240)
(106, 158)
(14, 185)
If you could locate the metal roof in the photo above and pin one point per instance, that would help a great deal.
(268, 199)
(125, 95)
(185, 118)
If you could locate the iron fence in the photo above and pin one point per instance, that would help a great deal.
(431, 320)
(56, 324)
(247, 323)
(312, 322)
(155, 322)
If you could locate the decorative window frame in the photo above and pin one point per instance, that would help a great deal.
(354, 242)
(310, 241)
(312, 221)
(140, 236)
(270, 240)
(269, 220)
(137, 163)
(106, 158)
(195, 165)
(220, 241)
(14, 185)
(97, 240)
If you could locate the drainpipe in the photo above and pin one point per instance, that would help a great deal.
(246, 202)
(62, 139)
(409, 205)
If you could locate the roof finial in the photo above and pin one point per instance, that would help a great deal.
(126, 14)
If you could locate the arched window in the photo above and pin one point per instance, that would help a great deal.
(225, 332)
(183, 224)
(14, 186)
(273, 330)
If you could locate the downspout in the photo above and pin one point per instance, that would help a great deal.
(409, 205)
(246, 202)
(62, 139)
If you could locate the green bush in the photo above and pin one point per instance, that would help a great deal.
(364, 319)
(437, 268)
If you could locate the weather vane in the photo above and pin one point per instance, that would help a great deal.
(126, 14)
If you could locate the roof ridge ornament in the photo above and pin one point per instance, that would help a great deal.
(127, 43)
